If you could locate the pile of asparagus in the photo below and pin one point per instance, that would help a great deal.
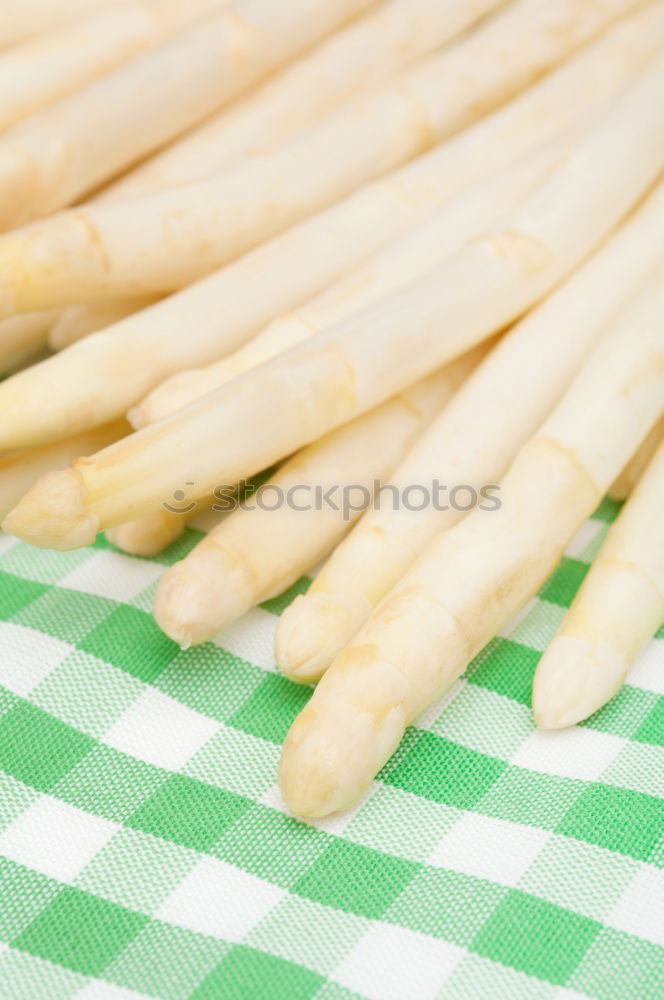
(369, 242)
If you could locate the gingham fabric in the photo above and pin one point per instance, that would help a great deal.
(145, 851)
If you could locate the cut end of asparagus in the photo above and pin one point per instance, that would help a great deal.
(54, 514)
(199, 596)
(574, 678)
(313, 630)
(332, 753)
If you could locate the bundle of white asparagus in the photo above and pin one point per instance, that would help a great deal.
(399, 248)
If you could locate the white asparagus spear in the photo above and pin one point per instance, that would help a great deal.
(369, 357)
(285, 404)
(517, 385)
(23, 336)
(76, 322)
(471, 580)
(62, 152)
(395, 266)
(23, 19)
(166, 240)
(40, 72)
(362, 54)
(259, 551)
(600, 70)
(100, 378)
(622, 488)
(617, 610)
(20, 471)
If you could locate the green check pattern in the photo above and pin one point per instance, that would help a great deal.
(145, 852)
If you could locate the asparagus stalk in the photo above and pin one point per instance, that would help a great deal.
(225, 309)
(393, 267)
(168, 239)
(20, 471)
(518, 384)
(62, 152)
(76, 322)
(362, 54)
(622, 488)
(370, 356)
(255, 553)
(617, 610)
(23, 336)
(471, 580)
(23, 19)
(47, 68)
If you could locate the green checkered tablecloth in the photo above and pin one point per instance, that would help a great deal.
(145, 851)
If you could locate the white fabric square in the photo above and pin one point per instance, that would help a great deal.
(113, 575)
(7, 542)
(515, 621)
(27, 657)
(251, 638)
(55, 838)
(219, 899)
(335, 824)
(96, 990)
(648, 669)
(489, 848)
(640, 909)
(569, 753)
(161, 731)
(392, 963)
(435, 710)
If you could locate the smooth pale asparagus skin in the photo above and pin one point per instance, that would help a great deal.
(625, 482)
(371, 356)
(23, 336)
(166, 240)
(421, 249)
(39, 72)
(22, 19)
(76, 322)
(222, 311)
(60, 153)
(365, 52)
(256, 553)
(617, 610)
(18, 472)
(518, 384)
(471, 580)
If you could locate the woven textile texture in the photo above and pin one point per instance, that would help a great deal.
(145, 852)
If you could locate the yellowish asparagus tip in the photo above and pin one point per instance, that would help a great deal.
(574, 678)
(53, 514)
(197, 597)
(313, 630)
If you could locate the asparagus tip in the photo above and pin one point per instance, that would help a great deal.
(53, 514)
(332, 752)
(312, 630)
(574, 678)
(199, 596)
